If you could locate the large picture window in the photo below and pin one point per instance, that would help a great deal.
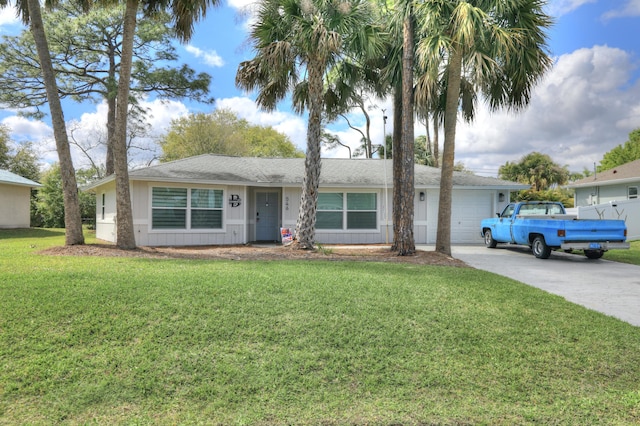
(181, 208)
(206, 208)
(352, 210)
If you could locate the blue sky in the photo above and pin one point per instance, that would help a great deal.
(586, 105)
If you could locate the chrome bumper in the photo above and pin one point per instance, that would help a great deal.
(599, 245)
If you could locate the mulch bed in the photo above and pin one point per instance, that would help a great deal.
(250, 252)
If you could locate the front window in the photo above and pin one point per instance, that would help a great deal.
(352, 210)
(206, 208)
(633, 192)
(169, 207)
(181, 208)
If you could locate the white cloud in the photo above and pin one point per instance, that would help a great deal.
(246, 10)
(586, 105)
(8, 17)
(40, 134)
(209, 57)
(91, 128)
(562, 7)
(630, 9)
(26, 130)
(241, 4)
(90, 131)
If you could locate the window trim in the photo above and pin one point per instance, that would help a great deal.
(188, 210)
(345, 212)
(103, 206)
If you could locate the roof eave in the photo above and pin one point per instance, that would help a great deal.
(607, 182)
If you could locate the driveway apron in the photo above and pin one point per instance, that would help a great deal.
(604, 286)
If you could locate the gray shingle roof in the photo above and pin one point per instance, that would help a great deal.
(220, 169)
(14, 179)
(628, 171)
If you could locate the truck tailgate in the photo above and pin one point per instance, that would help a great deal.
(595, 230)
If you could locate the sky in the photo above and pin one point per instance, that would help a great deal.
(587, 104)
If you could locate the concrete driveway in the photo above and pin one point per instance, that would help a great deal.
(604, 286)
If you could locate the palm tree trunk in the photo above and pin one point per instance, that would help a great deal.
(111, 112)
(396, 150)
(306, 225)
(406, 243)
(125, 237)
(72, 216)
(443, 237)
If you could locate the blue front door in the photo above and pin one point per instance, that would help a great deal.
(267, 216)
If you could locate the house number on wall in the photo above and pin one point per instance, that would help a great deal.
(234, 200)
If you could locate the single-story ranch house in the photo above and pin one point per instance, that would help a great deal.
(212, 199)
(15, 199)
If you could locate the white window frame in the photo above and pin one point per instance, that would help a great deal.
(188, 209)
(629, 195)
(345, 212)
(103, 205)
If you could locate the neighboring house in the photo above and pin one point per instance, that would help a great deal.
(617, 184)
(15, 200)
(211, 200)
(612, 194)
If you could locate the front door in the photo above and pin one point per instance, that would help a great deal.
(267, 216)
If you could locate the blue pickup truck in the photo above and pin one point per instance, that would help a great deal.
(544, 226)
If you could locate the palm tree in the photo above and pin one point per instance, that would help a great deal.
(185, 14)
(405, 243)
(296, 43)
(31, 15)
(499, 46)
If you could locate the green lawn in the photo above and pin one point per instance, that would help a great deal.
(142, 341)
(627, 256)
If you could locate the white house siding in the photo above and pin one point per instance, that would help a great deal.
(290, 206)
(602, 194)
(106, 213)
(14, 206)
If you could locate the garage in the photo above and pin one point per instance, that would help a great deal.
(469, 207)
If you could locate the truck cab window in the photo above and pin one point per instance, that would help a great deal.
(508, 211)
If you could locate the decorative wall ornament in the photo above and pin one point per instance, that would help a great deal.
(234, 200)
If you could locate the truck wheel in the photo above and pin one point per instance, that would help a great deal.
(540, 248)
(594, 254)
(488, 239)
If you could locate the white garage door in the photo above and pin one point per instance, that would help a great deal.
(469, 207)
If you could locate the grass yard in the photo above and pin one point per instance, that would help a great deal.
(627, 256)
(157, 341)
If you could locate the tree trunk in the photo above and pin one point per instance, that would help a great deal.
(72, 216)
(406, 243)
(306, 226)
(367, 142)
(443, 237)
(125, 236)
(396, 150)
(111, 113)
